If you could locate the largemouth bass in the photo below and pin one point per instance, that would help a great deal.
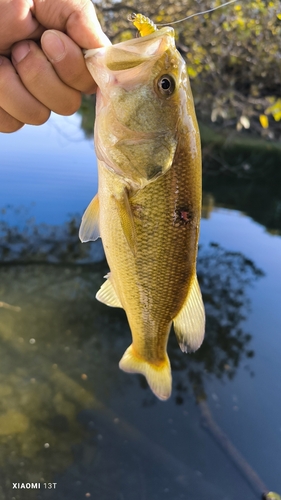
(147, 210)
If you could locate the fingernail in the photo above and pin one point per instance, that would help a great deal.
(20, 51)
(53, 46)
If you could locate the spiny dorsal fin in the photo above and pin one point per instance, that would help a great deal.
(107, 294)
(189, 324)
(89, 229)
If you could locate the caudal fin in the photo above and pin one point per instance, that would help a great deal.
(158, 377)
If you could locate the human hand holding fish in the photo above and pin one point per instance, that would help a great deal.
(42, 67)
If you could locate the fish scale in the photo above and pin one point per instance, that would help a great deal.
(155, 233)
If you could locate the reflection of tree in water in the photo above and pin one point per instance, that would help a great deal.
(27, 242)
(259, 197)
(223, 275)
(60, 348)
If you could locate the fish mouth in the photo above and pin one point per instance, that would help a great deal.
(132, 53)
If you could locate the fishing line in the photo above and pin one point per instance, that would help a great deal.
(197, 14)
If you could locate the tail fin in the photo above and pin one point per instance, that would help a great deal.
(158, 377)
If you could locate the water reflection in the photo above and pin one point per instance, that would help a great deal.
(224, 277)
(39, 398)
(24, 241)
(255, 184)
(60, 349)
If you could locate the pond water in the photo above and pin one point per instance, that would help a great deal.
(72, 425)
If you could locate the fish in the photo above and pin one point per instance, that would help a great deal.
(148, 206)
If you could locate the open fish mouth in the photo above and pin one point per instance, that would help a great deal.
(132, 53)
(138, 81)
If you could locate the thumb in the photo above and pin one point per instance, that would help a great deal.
(77, 18)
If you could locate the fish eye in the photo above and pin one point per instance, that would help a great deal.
(166, 85)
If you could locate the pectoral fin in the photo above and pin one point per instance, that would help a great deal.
(189, 324)
(107, 294)
(126, 217)
(89, 229)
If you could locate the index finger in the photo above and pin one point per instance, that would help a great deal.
(77, 18)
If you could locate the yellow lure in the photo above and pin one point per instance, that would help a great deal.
(143, 24)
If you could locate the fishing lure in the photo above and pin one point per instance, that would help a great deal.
(143, 24)
(146, 26)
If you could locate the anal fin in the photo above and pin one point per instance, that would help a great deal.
(107, 294)
(189, 324)
(89, 229)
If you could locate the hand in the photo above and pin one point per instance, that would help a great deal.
(34, 79)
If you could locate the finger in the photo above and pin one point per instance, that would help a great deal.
(16, 100)
(75, 17)
(41, 80)
(8, 123)
(68, 61)
(17, 23)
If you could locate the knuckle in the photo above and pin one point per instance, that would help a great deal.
(32, 68)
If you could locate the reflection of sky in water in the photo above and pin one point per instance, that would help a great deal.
(58, 174)
(248, 404)
(52, 165)
(239, 233)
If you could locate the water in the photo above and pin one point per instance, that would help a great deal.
(72, 425)
(54, 158)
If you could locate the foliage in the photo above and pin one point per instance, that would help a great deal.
(88, 112)
(233, 56)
